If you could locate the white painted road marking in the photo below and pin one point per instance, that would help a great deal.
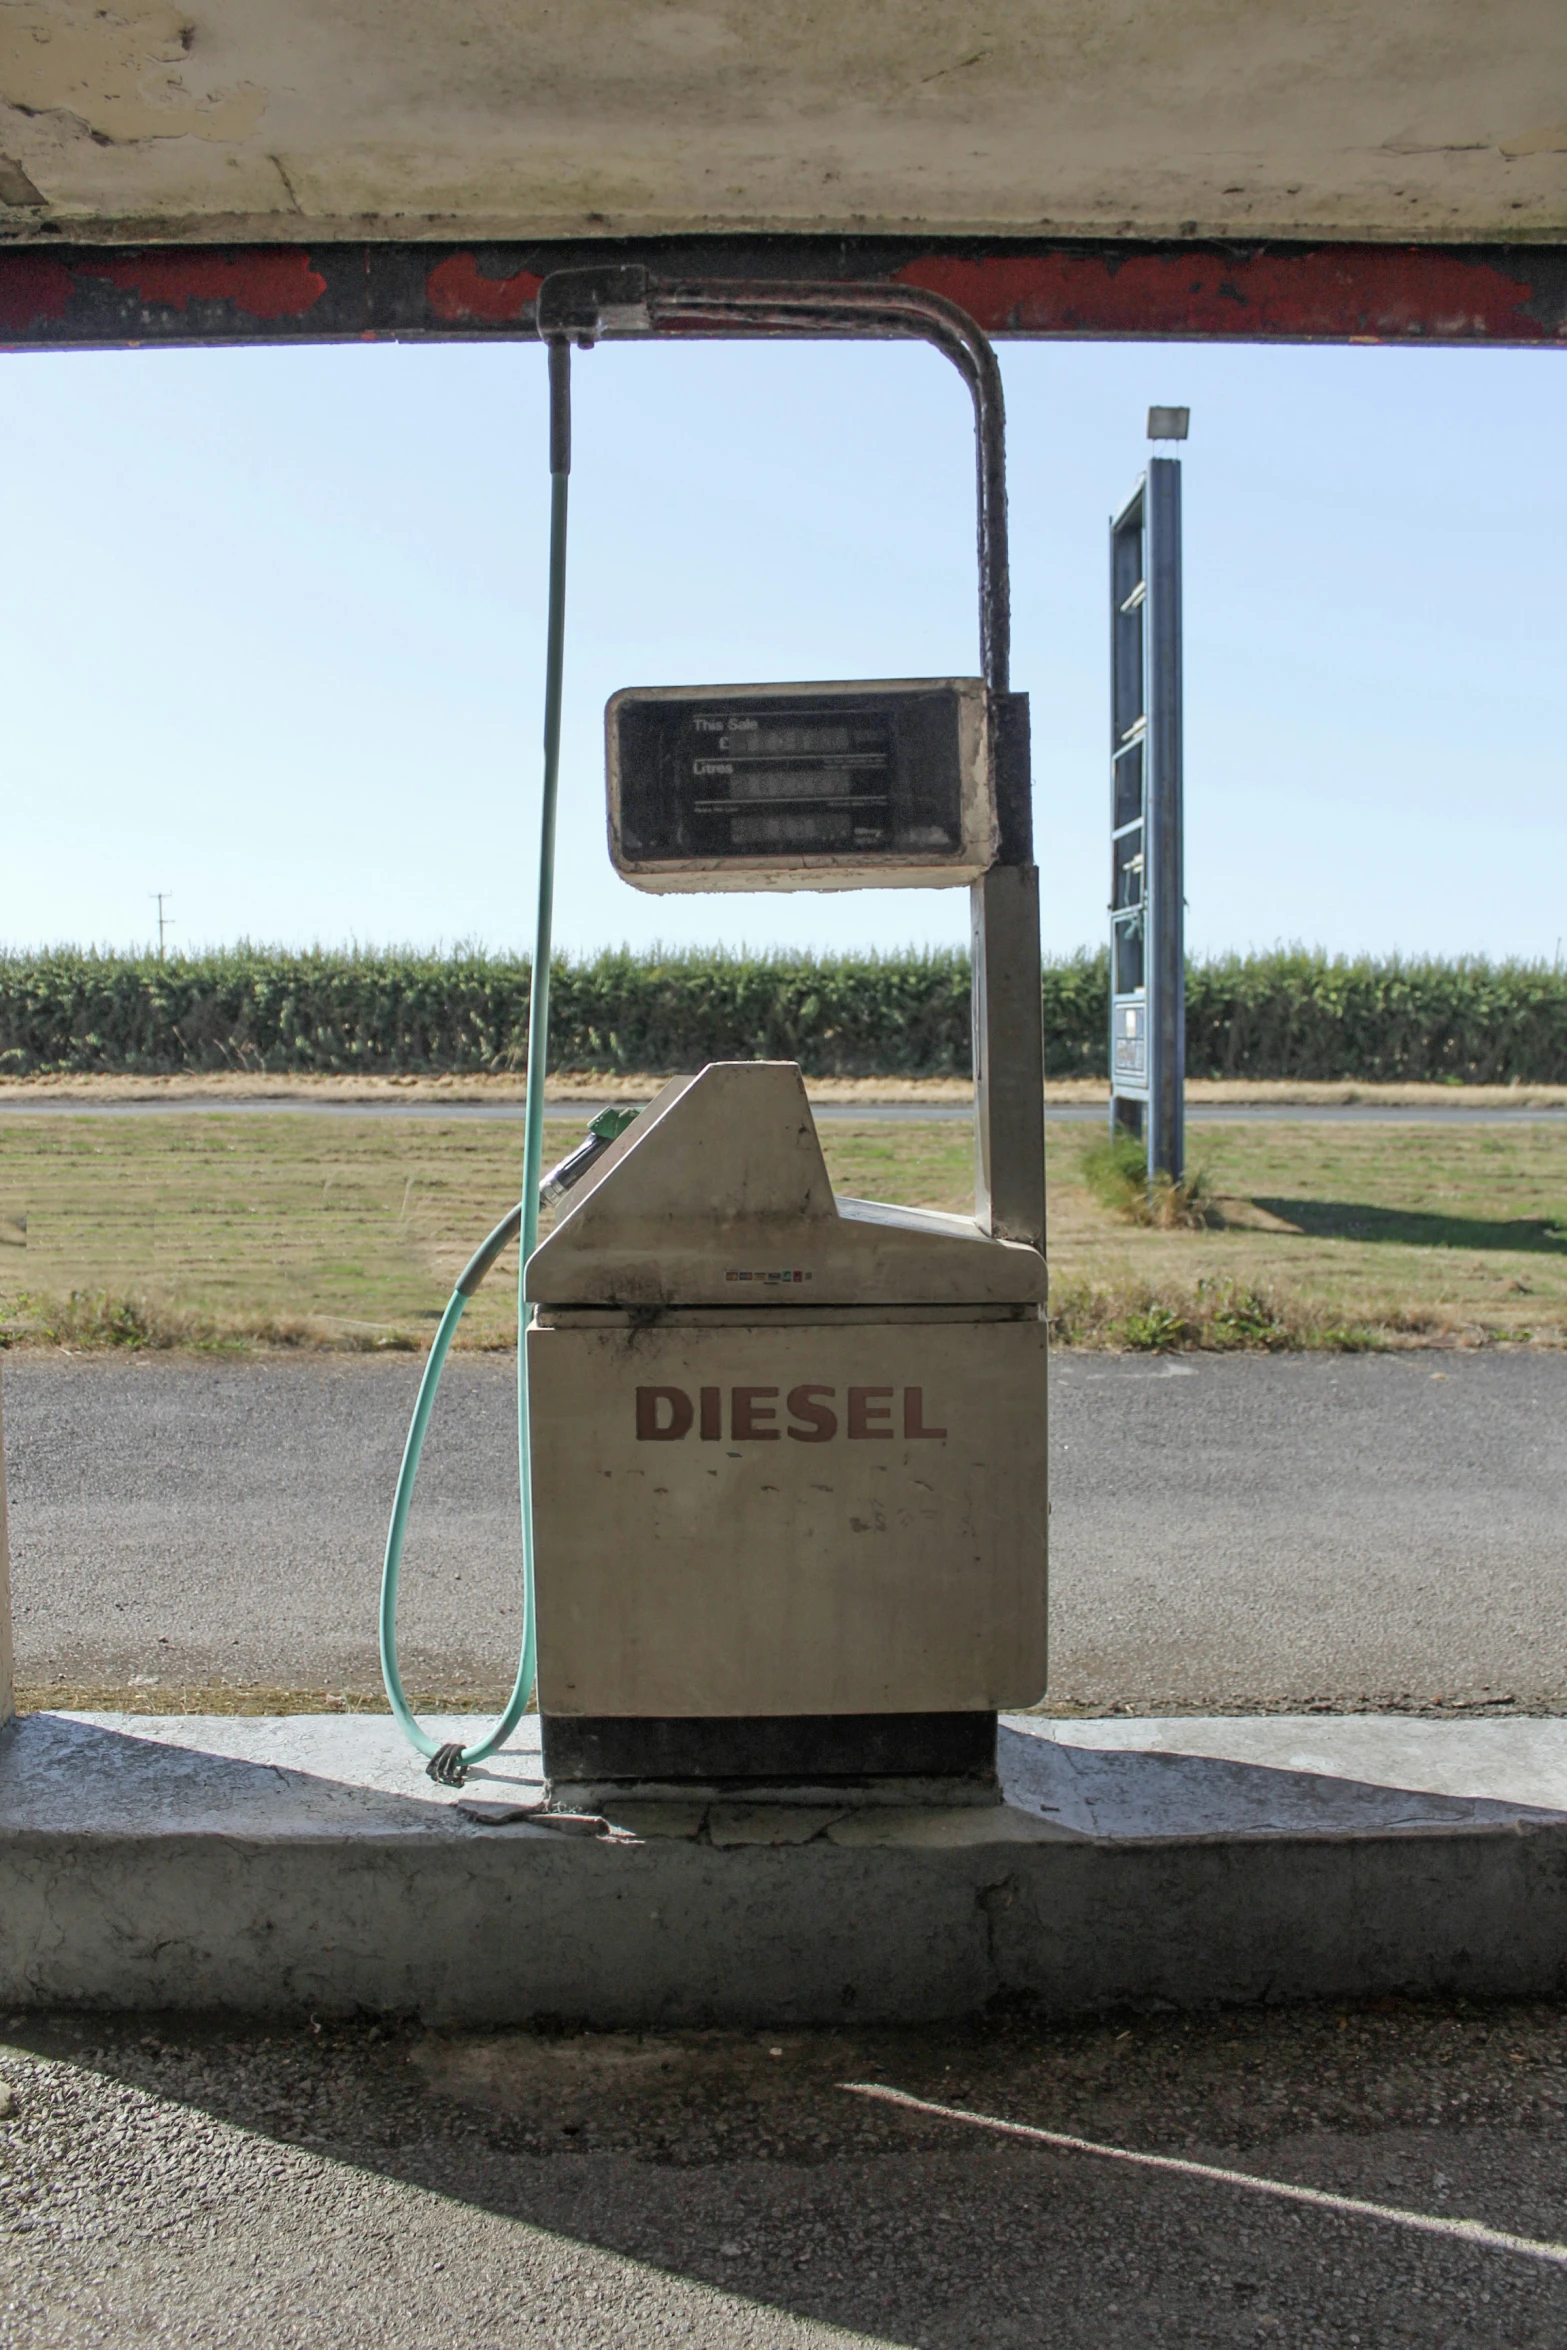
(1463, 2231)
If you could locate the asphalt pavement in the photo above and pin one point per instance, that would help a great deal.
(1375, 2175)
(1228, 1533)
(1459, 1115)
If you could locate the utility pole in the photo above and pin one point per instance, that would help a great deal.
(1147, 853)
(165, 921)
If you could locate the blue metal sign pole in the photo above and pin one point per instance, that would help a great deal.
(1147, 884)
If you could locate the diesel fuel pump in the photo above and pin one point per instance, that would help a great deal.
(784, 1489)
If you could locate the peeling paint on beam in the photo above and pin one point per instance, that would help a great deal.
(96, 298)
(459, 294)
(1332, 293)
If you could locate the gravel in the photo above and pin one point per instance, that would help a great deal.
(192, 2182)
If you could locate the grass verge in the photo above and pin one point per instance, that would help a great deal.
(222, 1233)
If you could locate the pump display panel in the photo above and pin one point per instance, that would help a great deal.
(801, 786)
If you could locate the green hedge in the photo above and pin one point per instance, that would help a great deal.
(1288, 1014)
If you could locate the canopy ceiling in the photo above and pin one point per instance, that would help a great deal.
(232, 121)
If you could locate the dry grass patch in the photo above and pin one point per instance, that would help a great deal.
(229, 1231)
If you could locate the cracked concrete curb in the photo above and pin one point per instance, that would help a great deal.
(144, 1871)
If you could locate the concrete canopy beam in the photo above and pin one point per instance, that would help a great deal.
(220, 121)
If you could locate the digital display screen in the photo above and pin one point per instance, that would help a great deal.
(874, 774)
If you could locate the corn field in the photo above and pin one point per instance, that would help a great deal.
(1288, 1014)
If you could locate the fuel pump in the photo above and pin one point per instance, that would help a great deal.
(783, 1452)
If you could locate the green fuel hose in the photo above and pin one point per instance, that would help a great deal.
(451, 1763)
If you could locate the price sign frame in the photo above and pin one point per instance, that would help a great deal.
(851, 784)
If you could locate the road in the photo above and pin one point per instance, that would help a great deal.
(1228, 1532)
(386, 2188)
(1459, 1116)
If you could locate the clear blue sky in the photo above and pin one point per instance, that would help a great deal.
(271, 626)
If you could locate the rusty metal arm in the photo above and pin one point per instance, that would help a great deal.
(588, 305)
(868, 311)
(585, 305)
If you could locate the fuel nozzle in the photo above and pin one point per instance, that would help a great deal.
(606, 1128)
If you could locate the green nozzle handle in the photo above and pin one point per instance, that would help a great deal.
(606, 1128)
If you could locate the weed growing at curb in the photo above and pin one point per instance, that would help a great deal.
(100, 1321)
(1210, 1316)
(1214, 1317)
(1115, 1173)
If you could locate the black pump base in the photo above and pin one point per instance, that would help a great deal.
(923, 1757)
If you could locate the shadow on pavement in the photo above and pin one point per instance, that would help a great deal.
(743, 2166)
